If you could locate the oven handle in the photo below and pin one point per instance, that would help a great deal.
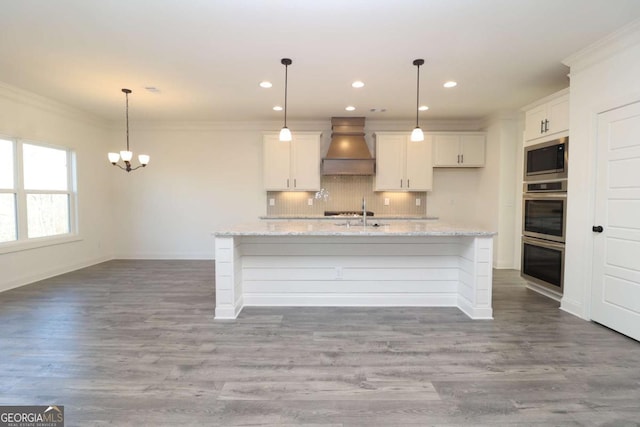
(549, 195)
(543, 243)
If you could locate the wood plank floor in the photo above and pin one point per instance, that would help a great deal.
(133, 343)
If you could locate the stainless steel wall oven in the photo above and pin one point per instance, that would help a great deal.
(545, 212)
(544, 216)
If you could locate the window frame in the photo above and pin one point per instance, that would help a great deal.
(23, 242)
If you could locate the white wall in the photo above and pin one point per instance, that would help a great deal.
(500, 183)
(200, 178)
(603, 76)
(32, 117)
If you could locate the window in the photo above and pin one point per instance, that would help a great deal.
(37, 197)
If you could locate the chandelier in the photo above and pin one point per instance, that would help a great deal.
(128, 154)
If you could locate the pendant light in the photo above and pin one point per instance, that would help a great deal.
(417, 134)
(128, 155)
(285, 133)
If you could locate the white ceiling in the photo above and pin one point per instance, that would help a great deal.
(208, 56)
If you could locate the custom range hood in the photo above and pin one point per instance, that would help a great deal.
(348, 152)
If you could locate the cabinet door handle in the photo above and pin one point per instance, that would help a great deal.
(458, 161)
(461, 158)
(295, 183)
(287, 182)
(541, 126)
(400, 183)
(546, 125)
(408, 183)
(597, 229)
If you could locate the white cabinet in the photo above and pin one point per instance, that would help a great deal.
(459, 150)
(294, 165)
(403, 165)
(548, 118)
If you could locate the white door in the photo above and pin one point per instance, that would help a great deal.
(616, 257)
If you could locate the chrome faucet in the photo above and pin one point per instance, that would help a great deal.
(364, 212)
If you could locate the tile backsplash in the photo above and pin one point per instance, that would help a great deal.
(345, 194)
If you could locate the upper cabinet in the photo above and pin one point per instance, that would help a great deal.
(401, 164)
(459, 150)
(549, 117)
(294, 165)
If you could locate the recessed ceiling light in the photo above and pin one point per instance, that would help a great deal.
(350, 108)
(357, 84)
(152, 89)
(450, 84)
(265, 84)
(423, 108)
(277, 108)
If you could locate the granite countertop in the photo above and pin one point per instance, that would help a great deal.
(325, 228)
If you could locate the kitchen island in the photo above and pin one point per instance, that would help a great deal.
(321, 263)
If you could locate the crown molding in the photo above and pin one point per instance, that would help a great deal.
(625, 37)
(31, 99)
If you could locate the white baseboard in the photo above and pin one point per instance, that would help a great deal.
(350, 300)
(543, 291)
(42, 275)
(571, 307)
(474, 313)
(229, 312)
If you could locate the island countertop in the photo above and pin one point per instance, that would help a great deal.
(328, 228)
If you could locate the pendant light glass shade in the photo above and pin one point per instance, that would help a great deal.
(285, 133)
(417, 135)
(127, 155)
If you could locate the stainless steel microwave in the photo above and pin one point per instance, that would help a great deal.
(547, 161)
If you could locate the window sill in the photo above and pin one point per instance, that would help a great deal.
(41, 242)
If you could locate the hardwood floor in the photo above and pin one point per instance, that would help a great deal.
(133, 343)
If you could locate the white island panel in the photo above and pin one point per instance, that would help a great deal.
(329, 265)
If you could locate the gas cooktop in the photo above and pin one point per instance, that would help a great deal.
(346, 213)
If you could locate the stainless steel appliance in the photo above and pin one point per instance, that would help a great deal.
(546, 161)
(543, 263)
(544, 219)
(544, 215)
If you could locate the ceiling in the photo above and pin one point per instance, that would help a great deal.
(207, 57)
